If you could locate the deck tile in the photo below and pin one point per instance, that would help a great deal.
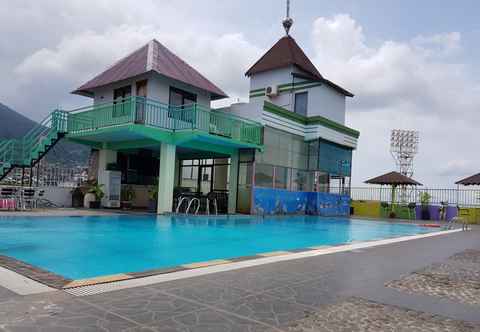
(205, 264)
(97, 280)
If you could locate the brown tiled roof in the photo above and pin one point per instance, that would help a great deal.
(393, 178)
(151, 57)
(286, 52)
(473, 180)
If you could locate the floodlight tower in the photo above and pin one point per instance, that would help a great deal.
(404, 147)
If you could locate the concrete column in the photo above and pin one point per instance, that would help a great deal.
(177, 172)
(105, 157)
(233, 183)
(166, 178)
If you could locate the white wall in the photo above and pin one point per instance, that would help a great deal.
(104, 94)
(325, 101)
(252, 110)
(271, 77)
(158, 88)
(60, 196)
(322, 100)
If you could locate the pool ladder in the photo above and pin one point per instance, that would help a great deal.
(190, 203)
(197, 201)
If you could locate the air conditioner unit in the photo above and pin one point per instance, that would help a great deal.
(271, 91)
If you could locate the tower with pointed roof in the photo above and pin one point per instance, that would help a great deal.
(286, 77)
(308, 147)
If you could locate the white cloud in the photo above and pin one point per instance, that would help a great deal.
(79, 57)
(446, 44)
(458, 168)
(413, 84)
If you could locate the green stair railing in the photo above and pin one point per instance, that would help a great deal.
(28, 150)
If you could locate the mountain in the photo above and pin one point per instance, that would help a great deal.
(15, 125)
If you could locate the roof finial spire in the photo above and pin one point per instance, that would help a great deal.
(287, 22)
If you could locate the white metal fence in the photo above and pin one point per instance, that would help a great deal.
(461, 197)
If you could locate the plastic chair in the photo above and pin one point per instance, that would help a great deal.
(28, 198)
(8, 197)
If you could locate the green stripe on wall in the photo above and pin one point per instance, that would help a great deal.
(287, 87)
(314, 120)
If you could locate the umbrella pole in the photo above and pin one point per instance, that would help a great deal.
(393, 196)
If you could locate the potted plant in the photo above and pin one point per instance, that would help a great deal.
(77, 197)
(152, 198)
(425, 202)
(96, 189)
(128, 196)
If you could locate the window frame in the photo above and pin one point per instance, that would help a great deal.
(120, 96)
(303, 93)
(186, 95)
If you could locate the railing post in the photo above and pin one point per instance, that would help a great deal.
(133, 109)
(175, 120)
(194, 115)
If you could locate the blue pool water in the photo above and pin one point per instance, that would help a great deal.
(83, 247)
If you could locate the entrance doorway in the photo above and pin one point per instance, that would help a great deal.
(205, 179)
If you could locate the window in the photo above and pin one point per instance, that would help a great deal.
(299, 180)
(281, 177)
(120, 94)
(179, 97)
(301, 101)
(264, 176)
(334, 159)
(120, 98)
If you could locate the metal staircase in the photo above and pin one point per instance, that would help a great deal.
(34, 145)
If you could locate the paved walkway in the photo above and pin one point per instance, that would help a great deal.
(61, 212)
(350, 291)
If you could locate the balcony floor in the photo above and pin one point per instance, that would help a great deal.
(131, 136)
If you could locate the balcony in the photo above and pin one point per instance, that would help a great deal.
(178, 120)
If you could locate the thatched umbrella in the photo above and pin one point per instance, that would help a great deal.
(393, 179)
(473, 180)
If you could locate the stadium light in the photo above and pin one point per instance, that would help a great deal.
(404, 147)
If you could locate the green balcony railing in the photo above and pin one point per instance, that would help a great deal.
(27, 150)
(143, 111)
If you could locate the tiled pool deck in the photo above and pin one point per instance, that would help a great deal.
(406, 286)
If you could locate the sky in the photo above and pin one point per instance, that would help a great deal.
(411, 64)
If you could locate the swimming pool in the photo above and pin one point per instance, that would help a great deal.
(84, 247)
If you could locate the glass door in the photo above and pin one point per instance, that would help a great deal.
(205, 179)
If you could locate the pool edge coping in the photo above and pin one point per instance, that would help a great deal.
(105, 283)
(250, 261)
